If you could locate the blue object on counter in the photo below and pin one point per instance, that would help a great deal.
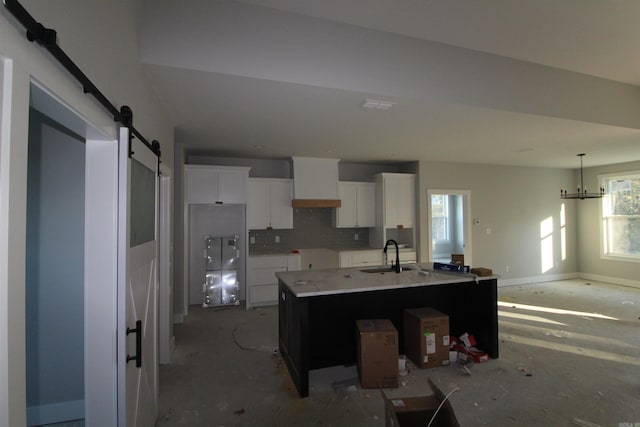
(456, 268)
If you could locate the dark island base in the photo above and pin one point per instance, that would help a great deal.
(319, 331)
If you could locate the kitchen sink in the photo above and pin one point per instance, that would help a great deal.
(385, 269)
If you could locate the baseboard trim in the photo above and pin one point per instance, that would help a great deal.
(568, 276)
(55, 413)
(537, 279)
(610, 279)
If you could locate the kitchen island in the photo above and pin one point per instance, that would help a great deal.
(318, 310)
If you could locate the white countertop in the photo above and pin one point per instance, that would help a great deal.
(307, 283)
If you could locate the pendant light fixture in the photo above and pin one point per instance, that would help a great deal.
(582, 191)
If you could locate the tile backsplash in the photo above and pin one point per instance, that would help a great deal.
(312, 228)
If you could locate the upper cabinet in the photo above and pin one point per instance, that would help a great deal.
(397, 204)
(358, 204)
(216, 184)
(269, 204)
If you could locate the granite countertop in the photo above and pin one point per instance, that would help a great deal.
(307, 283)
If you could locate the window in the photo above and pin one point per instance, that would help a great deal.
(143, 204)
(440, 217)
(621, 216)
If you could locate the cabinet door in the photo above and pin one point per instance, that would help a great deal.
(390, 189)
(367, 258)
(366, 205)
(200, 186)
(346, 214)
(257, 204)
(280, 210)
(232, 186)
(294, 262)
(399, 201)
(406, 201)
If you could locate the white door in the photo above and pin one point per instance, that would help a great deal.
(137, 284)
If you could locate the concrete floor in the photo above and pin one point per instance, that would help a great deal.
(578, 365)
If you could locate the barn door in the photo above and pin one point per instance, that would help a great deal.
(137, 284)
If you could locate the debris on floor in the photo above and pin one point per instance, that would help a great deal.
(524, 371)
(582, 423)
(466, 349)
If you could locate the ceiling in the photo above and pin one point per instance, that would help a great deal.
(523, 83)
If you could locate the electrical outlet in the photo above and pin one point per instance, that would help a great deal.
(277, 239)
(506, 269)
(355, 236)
(252, 240)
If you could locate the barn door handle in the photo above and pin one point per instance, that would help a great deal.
(138, 356)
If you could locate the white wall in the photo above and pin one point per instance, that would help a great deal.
(590, 263)
(100, 36)
(512, 202)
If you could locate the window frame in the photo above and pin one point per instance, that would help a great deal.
(445, 208)
(604, 207)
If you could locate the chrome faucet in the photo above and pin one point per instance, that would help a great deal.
(397, 266)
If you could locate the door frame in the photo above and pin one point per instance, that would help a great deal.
(466, 212)
(20, 89)
(166, 339)
(100, 258)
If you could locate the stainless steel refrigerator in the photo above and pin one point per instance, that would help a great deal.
(221, 259)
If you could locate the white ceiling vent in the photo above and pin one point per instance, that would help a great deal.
(377, 105)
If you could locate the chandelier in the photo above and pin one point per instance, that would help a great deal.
(582, 192)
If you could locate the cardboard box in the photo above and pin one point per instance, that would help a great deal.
(377, 345)
(482, 271)
(418, 411)
(457, 259)
(426, 337)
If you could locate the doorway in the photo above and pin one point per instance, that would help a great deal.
(82, 210)
(54, 288)
(449, 224)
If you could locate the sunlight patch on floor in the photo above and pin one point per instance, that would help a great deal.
(554, 310)
(502, 313)
(561, 334)
(566, 348)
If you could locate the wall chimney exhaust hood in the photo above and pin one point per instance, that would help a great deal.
(315, 183)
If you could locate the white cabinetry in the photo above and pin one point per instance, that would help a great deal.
(216, 184)
(395, 210)
(361, 258)
(262, 284)
(374, 257)
(269, 204)
(398, 199)
(358, 204)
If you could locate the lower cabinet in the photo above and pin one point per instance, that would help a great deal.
(262, 284)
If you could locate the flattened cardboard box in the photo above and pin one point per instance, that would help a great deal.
(417, 411)
(377, 346)
(426, 337)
